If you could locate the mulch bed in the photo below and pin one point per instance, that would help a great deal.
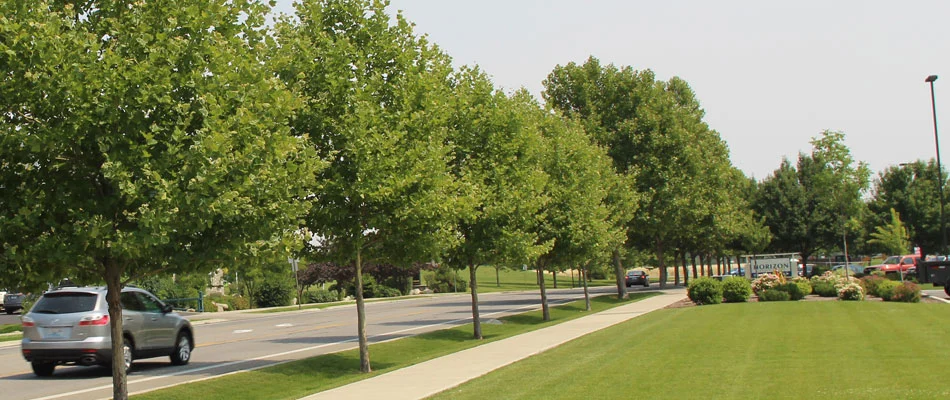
(687, 303)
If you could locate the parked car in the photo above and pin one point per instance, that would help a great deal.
(638, 278)
(896, 264)
(12, 302)
(853, 269)
(71, 326)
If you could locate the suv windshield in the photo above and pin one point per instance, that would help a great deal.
(892, 260)
(65, 303)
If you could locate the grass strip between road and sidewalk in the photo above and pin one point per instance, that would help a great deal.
(300, 378)
(775, 350)
(10, 332)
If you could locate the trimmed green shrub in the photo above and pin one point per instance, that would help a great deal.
(445, 280)
(885, 289)
(871, 283)
(825, 289)
(819, 270)
(774, 295)
(803, 284)
(273, 294)
(908, 292)
(239, 303)
(736, 290)
(794, 291)
(321, 296)
(705, 290)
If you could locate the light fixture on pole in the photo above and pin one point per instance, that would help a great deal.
(933, 104)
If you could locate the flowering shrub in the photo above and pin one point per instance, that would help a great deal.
(909, 292)
(851, 291)
(825, 289)
(736, 290)
(766, 281)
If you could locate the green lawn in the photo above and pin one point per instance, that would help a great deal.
(781, 350)
(300, 378)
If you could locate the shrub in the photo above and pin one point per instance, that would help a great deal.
(736, 290)
(239, 303)
(885, 289)
(322, 296)
(803, 284)
(871, 283)
(851, 291)
(774, 295)
(819, 270)
(827, 277)
(273, 294)
(705, 290)
(908, 292)
(445, 280)
(794, 291)
(825, 289)
(767, 281)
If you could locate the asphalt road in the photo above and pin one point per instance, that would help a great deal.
(228, 342)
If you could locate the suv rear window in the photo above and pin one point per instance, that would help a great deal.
(65, 303)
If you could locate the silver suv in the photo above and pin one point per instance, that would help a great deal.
(71, 326)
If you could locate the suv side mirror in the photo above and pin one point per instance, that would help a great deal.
(167, 308)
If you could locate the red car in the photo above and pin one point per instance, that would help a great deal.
(896, 263)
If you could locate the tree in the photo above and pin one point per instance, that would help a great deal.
(892, 238)
(841, 181)
(141, 137)
(375, 106)
(496, 158)
(911, 190)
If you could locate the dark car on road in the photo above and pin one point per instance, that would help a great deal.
(72, 326)
(13, 302)
(638, 278)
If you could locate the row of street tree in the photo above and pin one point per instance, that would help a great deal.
(186, 135)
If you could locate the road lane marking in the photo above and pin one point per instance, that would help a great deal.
(243, 331)
(266, 356)
(282, 333)
(284, 325)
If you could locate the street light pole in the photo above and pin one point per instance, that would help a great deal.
(933, 104)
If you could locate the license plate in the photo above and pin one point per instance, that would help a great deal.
(56, 333)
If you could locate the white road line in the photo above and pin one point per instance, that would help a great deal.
(284, 325)
(243, 331)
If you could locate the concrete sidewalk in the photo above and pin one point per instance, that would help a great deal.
(436, 375)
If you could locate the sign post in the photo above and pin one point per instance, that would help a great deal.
(293, 267)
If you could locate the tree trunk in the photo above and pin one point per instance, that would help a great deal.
(621, 276)
(685, 268)
(113, 275)
(709, 271)
(692, 260)
(572, 278)
(583, 272)
(361, 315)
(719, 265)
(475, 315)
(546, 314)
(554, 274)
(664, 274)
(497, 277)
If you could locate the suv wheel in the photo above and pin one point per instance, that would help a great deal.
(43, 368)
(182, 353)
(127, 357)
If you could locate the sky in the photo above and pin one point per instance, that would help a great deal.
(770, 75)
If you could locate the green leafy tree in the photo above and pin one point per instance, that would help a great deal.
(375, 105)
(911, 190)
(141, 137)
(892, 238)
(497, 160)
